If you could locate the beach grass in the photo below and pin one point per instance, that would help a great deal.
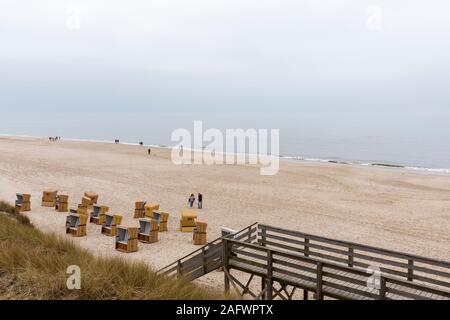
(33, 265)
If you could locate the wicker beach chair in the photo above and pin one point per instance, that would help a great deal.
(126, 239)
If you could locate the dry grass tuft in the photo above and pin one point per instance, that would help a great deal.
(6, 207)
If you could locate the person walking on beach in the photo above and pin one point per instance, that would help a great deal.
(181, 150)
(200, 201)
(191, 200)
(149, 151)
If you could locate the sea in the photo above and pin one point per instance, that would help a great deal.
(416, 141)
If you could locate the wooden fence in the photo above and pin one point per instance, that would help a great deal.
(323, 278)
(206, 259)
(287, 261)
(400, 265)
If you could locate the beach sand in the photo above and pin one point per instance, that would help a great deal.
(389, 208)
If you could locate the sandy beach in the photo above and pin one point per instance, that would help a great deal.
(390, 208)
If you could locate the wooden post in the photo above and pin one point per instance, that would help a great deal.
(178, 269)
(306, 247)
(263, 236)
(350, 256)
(382, 288)
(410, 269)
(269, 280)
(225, 265)
(263, 288)
(204, 260)
(319, 294)
(305, 294)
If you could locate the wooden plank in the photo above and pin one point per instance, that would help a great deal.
(431, 281)
(295, 275)
(407, 294)
(431, 271)
(249, 262)
(349, 289)
(272, 236)
(345, 278)
(250, 254)
(306, 244)
(418, 287)
(294, 265)
(381, 260)
(308, 254)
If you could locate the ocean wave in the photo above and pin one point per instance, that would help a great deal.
(368, 164)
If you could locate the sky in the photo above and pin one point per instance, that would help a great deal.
(224, 56)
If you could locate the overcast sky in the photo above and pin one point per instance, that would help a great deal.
(220, 55)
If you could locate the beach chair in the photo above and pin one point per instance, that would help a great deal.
(62, 203)
(49, 198)
(148, 230)
(126, 239)
(98, 215)
(139, 209)
(162, 217)
(187, 222)
(109, 227)
(92, 196)
(199, 235)
(86, 202)
(82, 209)
(149, 208)
(76, 225)
(23, 202)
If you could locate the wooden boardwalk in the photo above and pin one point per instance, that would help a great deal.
(288, 264)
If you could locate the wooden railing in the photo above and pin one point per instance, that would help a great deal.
(324, 278)
(207, 258)
(412, 268)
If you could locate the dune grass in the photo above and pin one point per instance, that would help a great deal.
(8, 209)
(33, 265)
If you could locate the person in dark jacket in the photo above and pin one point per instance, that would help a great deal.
(191, 200)
(200, 201)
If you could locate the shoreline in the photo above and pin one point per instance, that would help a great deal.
(291, 159)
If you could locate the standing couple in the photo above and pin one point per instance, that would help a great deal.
(191, 201)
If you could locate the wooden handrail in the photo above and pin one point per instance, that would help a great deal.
(202, 249)
(396, 254)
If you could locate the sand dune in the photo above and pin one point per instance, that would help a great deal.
(390, 208)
